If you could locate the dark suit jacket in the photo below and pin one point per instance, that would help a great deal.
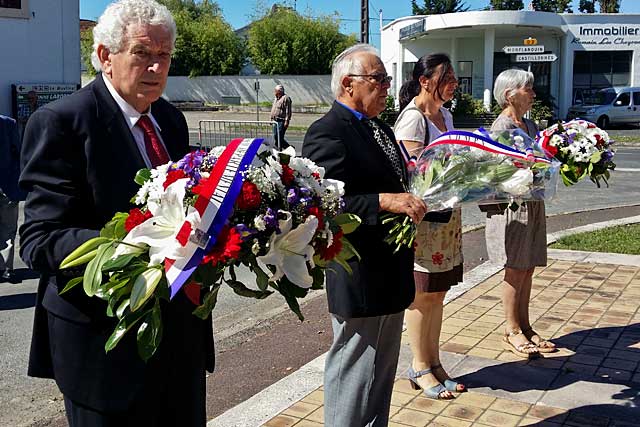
(382, 282)
(10, 159)
(79, 160)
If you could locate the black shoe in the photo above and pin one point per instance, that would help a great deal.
(9, 276)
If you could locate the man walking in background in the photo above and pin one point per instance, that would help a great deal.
(281, 114)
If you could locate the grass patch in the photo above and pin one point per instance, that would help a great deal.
(625, 139)
(624, 239)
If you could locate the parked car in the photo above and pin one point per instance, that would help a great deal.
(608, 106)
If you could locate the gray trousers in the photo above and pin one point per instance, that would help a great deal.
(360, 369)
(8, 229)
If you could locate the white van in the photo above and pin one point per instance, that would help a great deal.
(611, 105)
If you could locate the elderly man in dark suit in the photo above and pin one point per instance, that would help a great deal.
(80, 155)
(367, 305)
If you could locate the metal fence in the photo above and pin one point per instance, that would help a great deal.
(212, 133)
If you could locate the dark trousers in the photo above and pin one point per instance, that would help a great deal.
(278, 135)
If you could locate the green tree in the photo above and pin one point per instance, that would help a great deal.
(606, 6)
(435, 7)
(557, 6)
(205, 42)
(506, 4)
(609, 6)
(284, 42)
(587, 6)
(86, 47)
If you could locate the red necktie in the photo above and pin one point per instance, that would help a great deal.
(155, 150)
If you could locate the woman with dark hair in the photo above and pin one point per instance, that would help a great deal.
(438, 257)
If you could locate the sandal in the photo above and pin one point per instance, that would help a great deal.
(526, 350)
(450, 384)
(434, 392)
(544, 346)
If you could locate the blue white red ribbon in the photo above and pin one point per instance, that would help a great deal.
(482, 142)
(215, 204)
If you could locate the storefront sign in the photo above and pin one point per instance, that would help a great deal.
(613, 35)
(523, 49)
(547, 57)
(413, 29)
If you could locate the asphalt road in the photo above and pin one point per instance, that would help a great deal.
(251, 335)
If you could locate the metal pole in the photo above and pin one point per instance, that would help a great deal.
(527, 115)
(257, 86)
(380, 22)
(364, 21)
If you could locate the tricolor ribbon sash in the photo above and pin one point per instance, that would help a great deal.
(461, 137)
(215, 204)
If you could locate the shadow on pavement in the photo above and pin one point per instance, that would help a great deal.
(601, 369)
(18, 301)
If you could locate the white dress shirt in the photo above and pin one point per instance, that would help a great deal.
(132, 116)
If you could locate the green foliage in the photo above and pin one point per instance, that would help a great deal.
(587, 6)
(284, 42)
(467, 106)
(543, 108)
(86, 47)
(205, 43)
(606, 6)
(507, 4)
(434, 7)
(557, 6)
(624, 239)
(390, 114)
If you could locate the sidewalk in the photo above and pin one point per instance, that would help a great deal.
(588, 303)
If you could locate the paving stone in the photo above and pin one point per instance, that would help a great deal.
(495, 418)
(424, 404)
(412, 417)
(317, 415)
(462, 411)
(300, 409)
(533, 422)
(281, 421)
(614, 374)
(543, 412)
(442, 421)
(309, 423)
(477, 400)
(627, 365)
(510, 406)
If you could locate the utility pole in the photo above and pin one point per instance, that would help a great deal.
(364, 21)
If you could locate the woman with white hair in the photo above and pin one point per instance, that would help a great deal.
(518, 240)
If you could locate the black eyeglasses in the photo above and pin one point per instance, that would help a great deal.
(380, 78)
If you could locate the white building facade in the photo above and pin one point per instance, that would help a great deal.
(593, 51)
(40, 47)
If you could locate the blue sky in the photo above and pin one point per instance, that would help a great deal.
(237, 12)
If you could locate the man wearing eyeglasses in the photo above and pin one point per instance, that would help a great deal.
(367, 303)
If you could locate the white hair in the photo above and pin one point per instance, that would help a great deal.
(346, 63)
(508, 82)
(112, 26)
(279, 88)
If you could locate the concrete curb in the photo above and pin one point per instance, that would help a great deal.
(274, 399)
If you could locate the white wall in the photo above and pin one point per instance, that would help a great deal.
(44, 48)
(303, 90)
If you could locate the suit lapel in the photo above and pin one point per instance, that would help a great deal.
(114, 124)
(367, 136)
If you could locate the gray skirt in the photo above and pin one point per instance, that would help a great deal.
(518, 239)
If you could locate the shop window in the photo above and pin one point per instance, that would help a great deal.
(541, 71)
(593, 71)
(636, 98)
(14, 9)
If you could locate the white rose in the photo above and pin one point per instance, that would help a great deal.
(519, 183)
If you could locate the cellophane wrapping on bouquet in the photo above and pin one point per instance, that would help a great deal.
(480, 167)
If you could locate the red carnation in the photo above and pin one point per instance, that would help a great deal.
(287, 175)
(315, 211)
(173, 176)
(199, 187)
(227, 247)
(249, 198)
(332, 251)
(136, 217)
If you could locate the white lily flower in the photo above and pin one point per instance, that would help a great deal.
(519, 183)
(159, 232)
(290, 251)
(289, 151)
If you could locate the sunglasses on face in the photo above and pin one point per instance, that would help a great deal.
(379, 78)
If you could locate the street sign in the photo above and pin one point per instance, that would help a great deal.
(523, 49)
(546, 57)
